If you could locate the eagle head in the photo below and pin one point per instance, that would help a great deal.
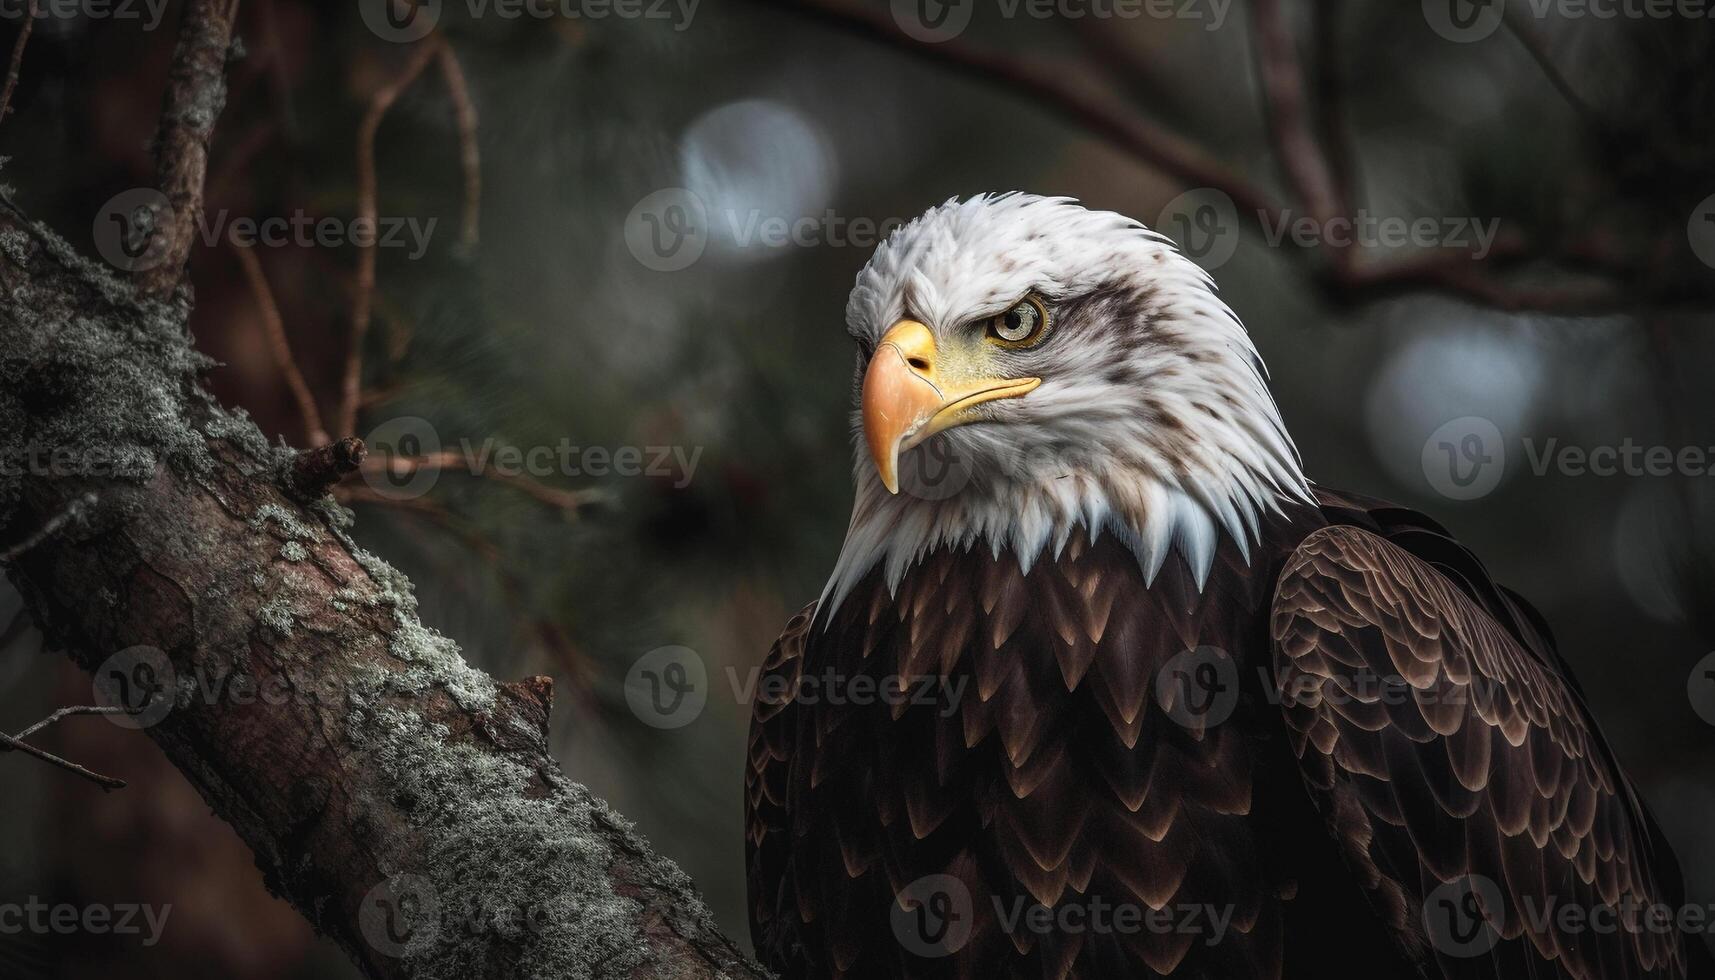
(1069, 368)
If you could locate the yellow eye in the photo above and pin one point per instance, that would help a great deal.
(1022, 326)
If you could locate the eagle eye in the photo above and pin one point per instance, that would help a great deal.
(1022, 326)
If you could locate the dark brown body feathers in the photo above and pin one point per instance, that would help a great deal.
(1022, 735)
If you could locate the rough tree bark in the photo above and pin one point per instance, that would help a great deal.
(403, 801)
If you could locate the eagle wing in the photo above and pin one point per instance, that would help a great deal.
(1477, 799)
(767, 766)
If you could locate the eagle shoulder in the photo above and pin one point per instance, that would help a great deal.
(767, 761)
(1450, 761)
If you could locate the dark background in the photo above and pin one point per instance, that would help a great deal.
(1587, 139)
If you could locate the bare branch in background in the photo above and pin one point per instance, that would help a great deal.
(73, 510)
(363, 291)
(196, 93)
(9, 743)
(393, 764)
(17, 62)
(568, 502)
(1334, 129)
(69, 712)
(1053, 89)
(1283, 96)
(470, 154)
(1615, 286)
(274, 329)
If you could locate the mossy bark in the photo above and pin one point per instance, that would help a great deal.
(403, 801)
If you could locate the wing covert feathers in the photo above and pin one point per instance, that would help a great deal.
(1485, 769)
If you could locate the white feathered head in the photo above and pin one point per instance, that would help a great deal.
(1027, 366)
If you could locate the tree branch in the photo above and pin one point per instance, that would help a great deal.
(1053, 89)
(1283, 94)
(371, 770)
(1337, 272)
(16, 742)
(274, 329)
(470, 153)
(363, 293)
(17, 63)
(196, 92)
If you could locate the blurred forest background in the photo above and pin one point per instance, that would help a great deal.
(530, 318)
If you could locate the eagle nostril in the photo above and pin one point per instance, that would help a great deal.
(917, 363)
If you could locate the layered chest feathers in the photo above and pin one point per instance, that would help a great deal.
(1040, 736)
(1007, 652)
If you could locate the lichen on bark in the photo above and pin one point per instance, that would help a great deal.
(383, 754)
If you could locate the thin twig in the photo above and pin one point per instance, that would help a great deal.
(1283, 96)
(470, 154)
(571, 502)
(362, 304)
(196, 93)
(16, 742)
(1335, 130)
(274, 330)
(17, 59)
(73, 511)
(8, 743)
(69, 712)
(1461, 275)
(272, 59)
(1052, 88)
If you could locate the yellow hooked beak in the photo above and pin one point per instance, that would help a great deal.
(907, 397)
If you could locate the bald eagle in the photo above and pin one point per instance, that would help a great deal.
(1112, 690)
